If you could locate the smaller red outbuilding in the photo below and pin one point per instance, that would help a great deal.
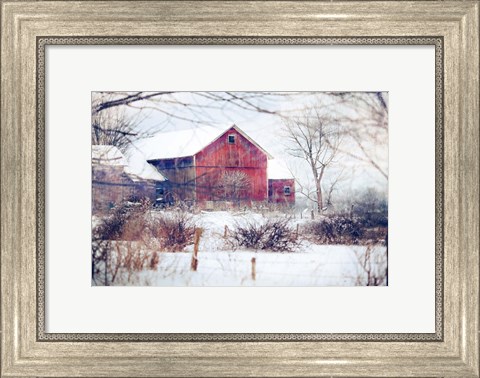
(281, 184)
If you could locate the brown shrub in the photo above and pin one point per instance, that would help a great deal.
(173, 231)
(272, 235)
(336, 230)
(341, 229)
(134, 227)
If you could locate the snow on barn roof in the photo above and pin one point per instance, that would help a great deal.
(146, 172)
(277, 170)
(187, 142)
(111, 155)
(107, 155)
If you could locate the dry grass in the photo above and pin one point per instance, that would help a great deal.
(129, 239)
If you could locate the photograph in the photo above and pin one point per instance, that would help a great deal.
(272, 189)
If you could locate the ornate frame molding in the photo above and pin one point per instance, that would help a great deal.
(28, 26)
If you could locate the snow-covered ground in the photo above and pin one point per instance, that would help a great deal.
(321, 266)
(220, 265)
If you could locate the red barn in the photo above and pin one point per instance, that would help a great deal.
(204, 165)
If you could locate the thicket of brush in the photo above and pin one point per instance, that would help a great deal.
(336, 230)
(361, 218)
(128, 240)
(270, 235)
(172, 231)
(343, 229)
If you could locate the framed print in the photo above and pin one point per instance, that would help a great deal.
(240, 188)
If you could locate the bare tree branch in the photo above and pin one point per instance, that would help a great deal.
(314, 137)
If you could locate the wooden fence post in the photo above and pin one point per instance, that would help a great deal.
(297, 231)
(196, 242)
(254, 268)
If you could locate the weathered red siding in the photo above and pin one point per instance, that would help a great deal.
(220, 157)
(276, 191)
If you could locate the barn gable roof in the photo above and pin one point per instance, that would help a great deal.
(188, 142)
(242, 133)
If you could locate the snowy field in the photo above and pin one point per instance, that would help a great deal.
(221, 265)
(322, 266)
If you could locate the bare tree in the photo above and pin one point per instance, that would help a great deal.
(105, 100)
(233, 184)
(315, 138)
(252, 101)
(331, 186)
(366, 125)
(113, 126)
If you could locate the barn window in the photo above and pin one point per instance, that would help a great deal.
(286, 190)
(231, 139)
